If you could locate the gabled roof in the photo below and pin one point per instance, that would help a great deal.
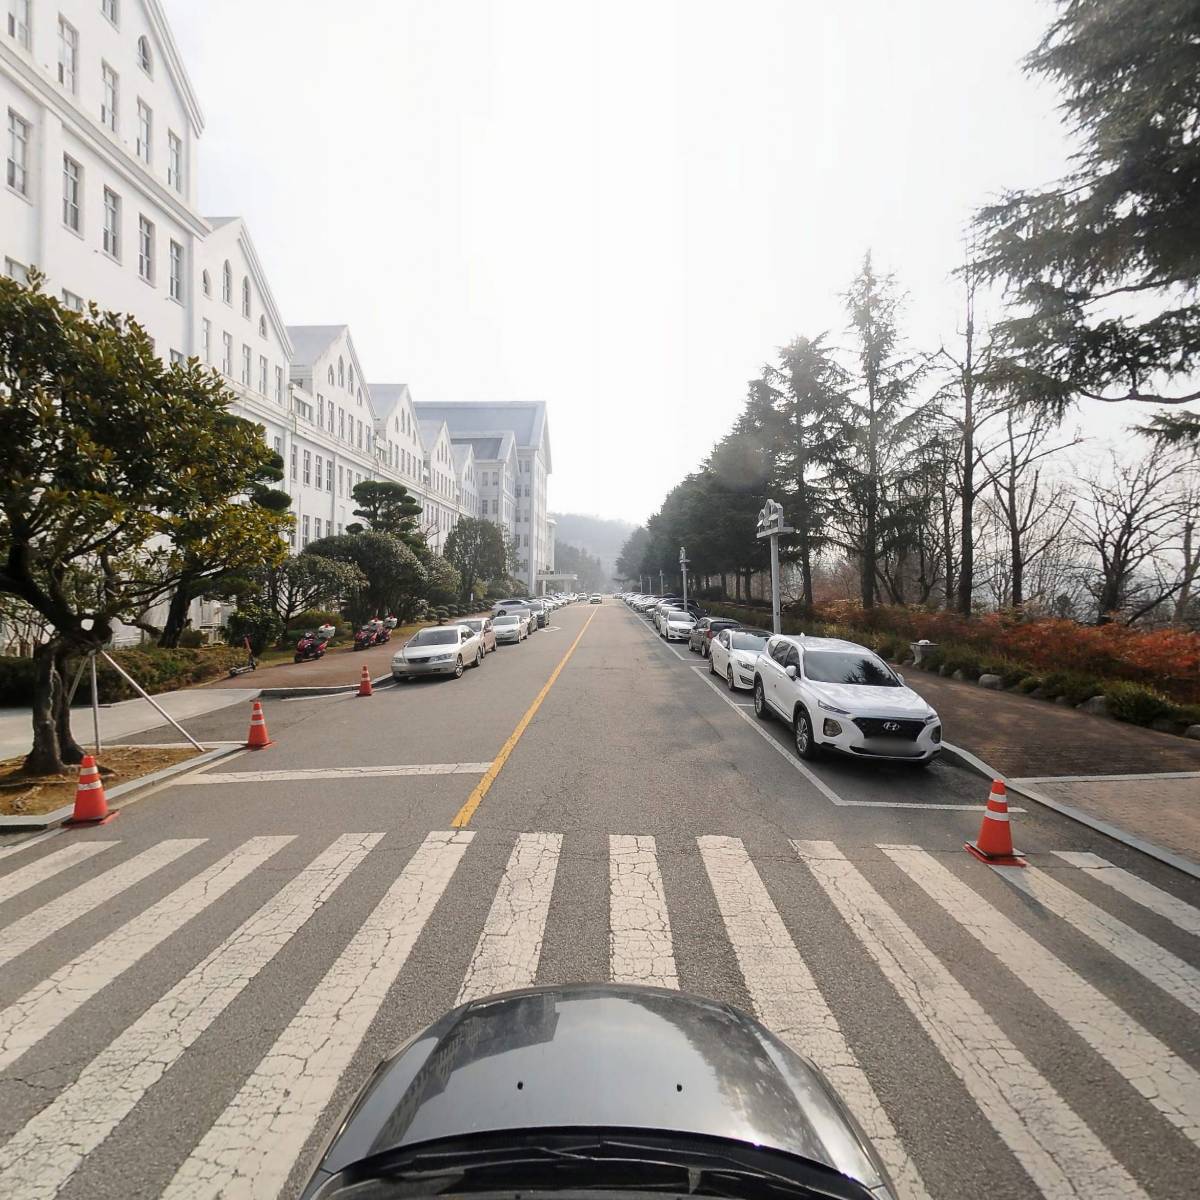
(162, 30)
(492, 447)
(463, 455)
(526, 418)
(311, 341)
(431, 431)
(260, 277)
(387, 397)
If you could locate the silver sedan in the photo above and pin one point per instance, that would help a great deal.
(484, 628)
(438, 650)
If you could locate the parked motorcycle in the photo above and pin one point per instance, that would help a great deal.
(371, 635)
(311, 646)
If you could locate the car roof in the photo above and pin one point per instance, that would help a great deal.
(822, 643)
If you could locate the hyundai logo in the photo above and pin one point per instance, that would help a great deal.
(892, 726)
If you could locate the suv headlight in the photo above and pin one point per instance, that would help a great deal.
(841, 712)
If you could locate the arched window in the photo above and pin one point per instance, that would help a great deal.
(245, 296)
(262, 327)
(330, 376)
(360, 396)
(206, 283)
(341, 372)
(143, 52)
(227, 283)
(350, 377)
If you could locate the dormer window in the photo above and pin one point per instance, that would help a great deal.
(262, 327)
(145, 61)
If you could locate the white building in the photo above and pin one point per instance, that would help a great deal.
(102, 135)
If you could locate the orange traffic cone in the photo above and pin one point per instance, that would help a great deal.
(91, 807)
(364, 684)
(258, 736)
(995, 845)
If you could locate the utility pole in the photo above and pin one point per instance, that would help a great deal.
(770, 525)
(662, 587)
(683, 566)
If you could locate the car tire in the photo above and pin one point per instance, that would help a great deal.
(479, 657)
(711, 669)
(458, 668)
(761, 710)
(806, 743)
(729, 683)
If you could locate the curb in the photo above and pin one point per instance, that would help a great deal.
(124, 792)
(301, 693)
(964, 758)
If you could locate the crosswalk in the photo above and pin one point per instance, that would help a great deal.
(1007, 987)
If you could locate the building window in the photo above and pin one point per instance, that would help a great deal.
(293, 460)
(16, 270)
(329, 481)
(18, 153)
(246, 365)
(245, 296)
(145, 249)
(227, 283)
(227, 354)
(206, 339)
(68, 54)
(329, 375)
(71, 193)
(278, 385)
(206, 283)
(110, 10)
(111, 97)
(145, 61)
(176, 272)
(277, 443)
(342, 423)
(305, 539)
(177, 359)
(145, 131)
(72, 301)
(320, 472)
(262, 374)
(19, 21)
(262, 327)
(308, 466)
(350, 378)
(341, 373)
(112, 223)
(360, 435)
(174, 161)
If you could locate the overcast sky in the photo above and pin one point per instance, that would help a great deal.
(620, 208)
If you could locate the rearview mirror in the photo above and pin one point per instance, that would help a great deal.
(791, 672)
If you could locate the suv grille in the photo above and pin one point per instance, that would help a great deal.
(907, 731)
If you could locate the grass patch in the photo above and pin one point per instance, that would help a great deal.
(30, 795)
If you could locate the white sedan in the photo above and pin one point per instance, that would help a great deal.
(438, 650)
(511, 627)
(732, 654)
(675, 624)
(840, 696)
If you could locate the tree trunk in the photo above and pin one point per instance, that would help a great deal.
(45, 758)
(177, 611)
(69, 749)
(948, 542)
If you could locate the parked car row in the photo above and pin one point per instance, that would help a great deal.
(452, 648)
(834, 695)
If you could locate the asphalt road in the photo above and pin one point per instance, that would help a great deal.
(190, 995)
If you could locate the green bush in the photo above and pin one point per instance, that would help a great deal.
(1011, 673)
(191, 639)
(16, 682)
(254, 621)
(961, 658)
(1028, 684)
(1136, 703)
(1075, 686)
(311, 618)
(1186, 714)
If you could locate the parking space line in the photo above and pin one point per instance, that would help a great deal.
(482, 788)
(816, 780)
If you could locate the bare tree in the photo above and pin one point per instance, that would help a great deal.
(1189, 540)
(1127, 516)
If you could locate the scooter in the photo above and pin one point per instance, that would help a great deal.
(369, 636)
(310, 646)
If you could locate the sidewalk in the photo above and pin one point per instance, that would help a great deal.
(1065, 755)
(342, 666)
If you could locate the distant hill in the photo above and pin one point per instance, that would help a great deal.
(602, 537)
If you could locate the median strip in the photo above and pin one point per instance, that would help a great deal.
(485, 784)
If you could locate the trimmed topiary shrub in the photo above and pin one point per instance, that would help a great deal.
(1136, 703)
(1074, 686)
(1028, 684)
(1011, 673)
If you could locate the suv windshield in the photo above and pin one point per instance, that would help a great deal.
(845, 666)
(435, 637)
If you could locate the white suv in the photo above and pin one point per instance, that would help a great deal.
(840, 695)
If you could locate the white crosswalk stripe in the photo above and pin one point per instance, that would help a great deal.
(48, 1003)
(30, 875)
(1061, 1154)
(1177, 911)
(46, 921)
(787, 998)
(1162, 1077)
(510, 945)
(283, 1095)
(39, 1159)
(1122, 941)
(249, 1151)
(640, 949)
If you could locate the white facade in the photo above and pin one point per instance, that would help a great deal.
(102, 133)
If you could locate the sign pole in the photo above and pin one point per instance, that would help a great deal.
(683, 566)
(770, 525)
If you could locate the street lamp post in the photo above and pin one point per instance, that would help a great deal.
(683, 566)
(662, 587)
(770, 525)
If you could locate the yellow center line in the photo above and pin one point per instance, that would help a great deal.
(484, 785)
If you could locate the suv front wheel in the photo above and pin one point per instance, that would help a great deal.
(806, 744)
(760, 701)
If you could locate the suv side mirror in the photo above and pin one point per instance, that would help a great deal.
(900, 677)
(791, 671)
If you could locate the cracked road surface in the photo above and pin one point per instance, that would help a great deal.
(191, 995)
